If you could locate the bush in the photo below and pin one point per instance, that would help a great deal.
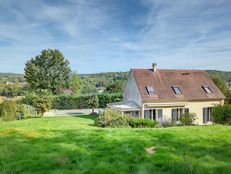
(26, 111)
(222, 114)
(141, 123)
(188, 118)
(41, 100)
(8, 110)
(111, 118)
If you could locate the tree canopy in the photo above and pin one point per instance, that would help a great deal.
(49, 70)
(76, 83)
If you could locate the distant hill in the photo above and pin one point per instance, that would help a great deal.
(100, 80)
(225, 75)
(11, 77)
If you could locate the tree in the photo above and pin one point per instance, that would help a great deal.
(222, 114)
(42, 101)
(49, 70)
(93, 102)
(76, 84)
(223, 87)
(114, 88)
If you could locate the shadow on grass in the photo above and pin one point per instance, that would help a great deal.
(86, 116)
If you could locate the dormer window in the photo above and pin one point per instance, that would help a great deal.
(150, 90)
(177, 90)
(207, 89)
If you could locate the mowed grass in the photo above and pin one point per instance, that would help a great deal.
(63, 145)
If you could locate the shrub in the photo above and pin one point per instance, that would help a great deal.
(112, 118)
(26, 111)
(8, 110)
(43, 101)
(93, 102)
(29, 98)
(222, 114)
(141, 123)
(188, 118)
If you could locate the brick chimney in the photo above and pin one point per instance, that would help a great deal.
(154, 67)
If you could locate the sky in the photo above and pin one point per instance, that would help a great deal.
(117, 35)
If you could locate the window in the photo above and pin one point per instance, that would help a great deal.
(207, 89)
(147, 114)
(150, 90)
(160, 115)
(207, 115)
(132, 113)
(177, 90)
(176, 113)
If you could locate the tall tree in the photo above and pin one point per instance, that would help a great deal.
(76, 83)
(115, 87)
(221, 84)
(49, 70)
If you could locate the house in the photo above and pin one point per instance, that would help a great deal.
(165, 94)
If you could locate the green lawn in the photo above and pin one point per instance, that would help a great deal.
(64, 145)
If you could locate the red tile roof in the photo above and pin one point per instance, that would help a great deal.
(190, 83)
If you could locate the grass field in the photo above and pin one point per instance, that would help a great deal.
(66, 145)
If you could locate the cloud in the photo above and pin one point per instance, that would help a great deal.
(117, 35)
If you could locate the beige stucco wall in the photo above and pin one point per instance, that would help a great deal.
(197, 108)
(194, 107)
(131, 91)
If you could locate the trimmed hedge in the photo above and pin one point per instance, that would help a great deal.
(63, 102)
(142, 123)
(82, 102)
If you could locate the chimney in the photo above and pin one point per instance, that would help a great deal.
(154, 67)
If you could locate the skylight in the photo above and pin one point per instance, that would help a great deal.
(177, 90)
(207, 89)
(150, 90)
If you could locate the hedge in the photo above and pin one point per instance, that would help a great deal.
(63, 102)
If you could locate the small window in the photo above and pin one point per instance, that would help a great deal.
(207, 89)
(177, 90)
(186, 110)
(150, 90)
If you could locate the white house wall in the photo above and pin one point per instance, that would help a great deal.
(131, 91)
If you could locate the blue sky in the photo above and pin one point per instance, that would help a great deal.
(116, 35)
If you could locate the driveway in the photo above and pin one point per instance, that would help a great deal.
(70, 112)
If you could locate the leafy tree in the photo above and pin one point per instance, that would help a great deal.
(42, 101)
(76, 84)
(222, 114)
(48, 70)
(221, 84)
(115, 88)
(93, 102)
